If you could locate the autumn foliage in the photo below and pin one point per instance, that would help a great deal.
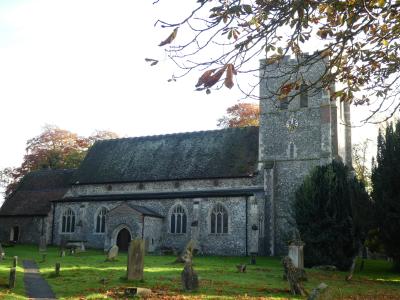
(241, 115)
(357, 40)
(54, 148)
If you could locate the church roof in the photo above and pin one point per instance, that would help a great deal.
(225, 153)
(35, 191)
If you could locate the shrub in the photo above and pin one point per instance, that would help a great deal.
(328, 215)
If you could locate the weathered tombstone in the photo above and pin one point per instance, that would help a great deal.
(42, 244)
(62, 253)
(135, 260)
(241, 268)
(181, 256)
(12, 278)
(296, 253)
(190, 280)
(57, 269)
(136, 291)
(2, 254)
(293, 276)
(112, 253)
(15, 261)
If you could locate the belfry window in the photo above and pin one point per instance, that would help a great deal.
(101, 220)
(303, 95)
(284, 103)
(68, 221)
(178, 220)
(219, 219)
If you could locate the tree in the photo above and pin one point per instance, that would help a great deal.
(360, 163)
(386, 190)
(359, 40)
(331, 209)
(240, 115)
(54, 148)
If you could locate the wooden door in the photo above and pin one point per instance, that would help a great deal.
(123, 239)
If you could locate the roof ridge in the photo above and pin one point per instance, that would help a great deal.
(176, 134)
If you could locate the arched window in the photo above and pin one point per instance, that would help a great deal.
(178, 220)
(101, 220)
(68, 221)
(219, 219)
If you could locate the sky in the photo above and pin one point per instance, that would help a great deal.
(79, 64)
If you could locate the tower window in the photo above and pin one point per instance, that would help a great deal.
(303, 96)
(284, 103)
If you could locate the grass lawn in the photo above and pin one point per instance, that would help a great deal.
(83, 275)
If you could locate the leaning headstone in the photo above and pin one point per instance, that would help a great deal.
(57, 269)
(112, 253)
(181, 257)
(293, 276)
(190, 280)
(12, 278)
(15, 261)
(135, 260)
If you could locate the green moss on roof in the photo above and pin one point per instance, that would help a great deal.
(225, 153)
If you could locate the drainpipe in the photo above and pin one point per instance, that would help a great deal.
(247, 198)
(52, 224)
(142, 227)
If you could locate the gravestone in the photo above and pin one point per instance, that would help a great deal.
(296, 254)
(112, 253)
(241, 268)
(57, 269)
(293, 276)
(12, 278)
(2, 254)
(15, 261)
(135, 260)
(190, 280)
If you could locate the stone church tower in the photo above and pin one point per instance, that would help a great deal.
(294, 137)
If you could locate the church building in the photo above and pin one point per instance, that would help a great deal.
(229, 190)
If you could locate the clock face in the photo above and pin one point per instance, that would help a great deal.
(292, 124)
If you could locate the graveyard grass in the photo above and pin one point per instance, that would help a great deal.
(88, 276)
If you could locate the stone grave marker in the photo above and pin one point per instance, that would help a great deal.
(190, 280)
(2, 254)
(135, 260)
(12, 279)
(296, 254)
(57, 269)
(15, 261)
(112, 253)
